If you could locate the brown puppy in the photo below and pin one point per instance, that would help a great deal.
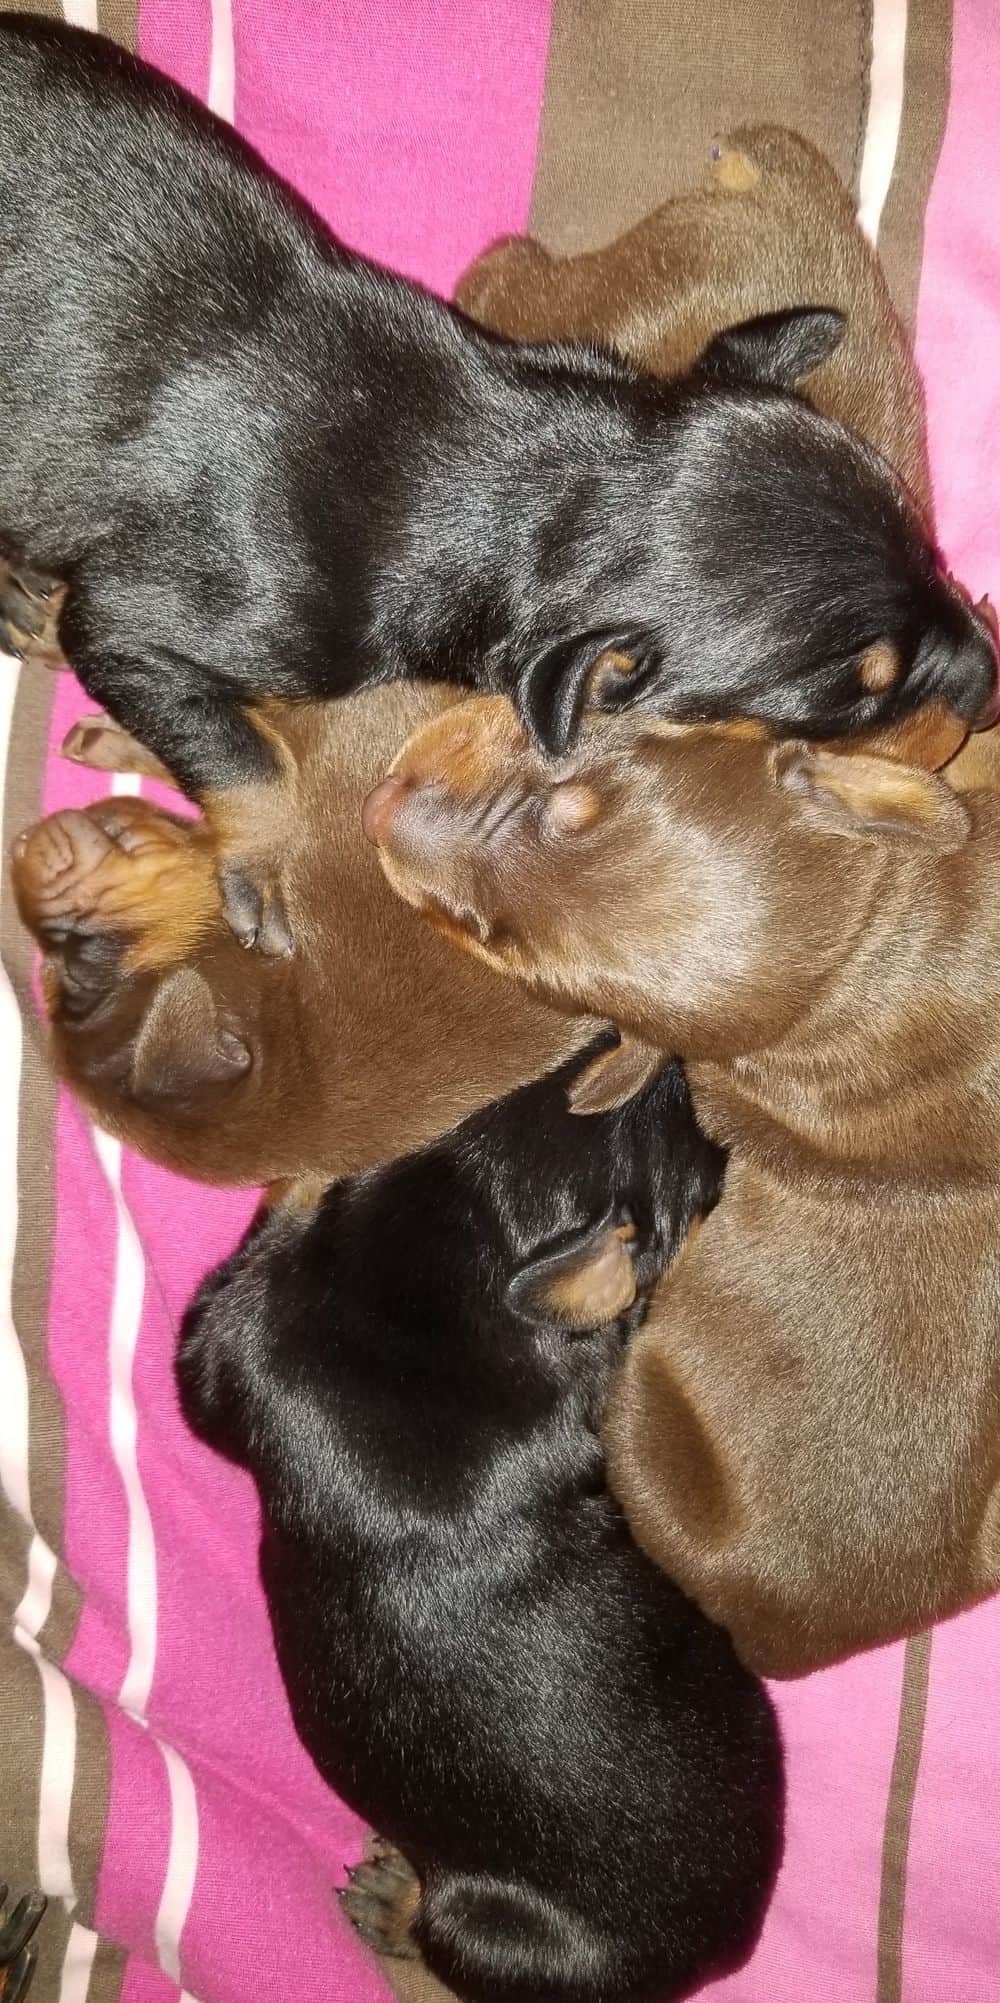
(237, 1069)
(373, 1040)
(806, 1432)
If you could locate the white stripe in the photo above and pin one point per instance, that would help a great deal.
(222, 69)
(182, 1863)
(77, 1964)
(33, 1611)
(58, 1765)
(126, 1317)
(885, 111)
(80, 13)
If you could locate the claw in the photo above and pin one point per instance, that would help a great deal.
(255, 913)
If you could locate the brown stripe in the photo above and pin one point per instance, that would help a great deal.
(36, 1197)
(51, 1942)
(925, 111)
(51, 8)
(635, 90)
(89, 1804)
(22, 1725)
(120, 20)
(107, 1973)
(898, 1817)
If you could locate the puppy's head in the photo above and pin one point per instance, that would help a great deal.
(749, 557)
(692, 884)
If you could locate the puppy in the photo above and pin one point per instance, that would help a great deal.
(806, 1432)
(263, 468)
(414, 1373)
(374, 1039)
(233, 1068)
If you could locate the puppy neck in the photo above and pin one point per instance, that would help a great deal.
(893, 1071)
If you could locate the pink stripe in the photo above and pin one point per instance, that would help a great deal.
(176, 35)
(820, 1934)
(412, 128)
(952, 1944)
(138, 1835)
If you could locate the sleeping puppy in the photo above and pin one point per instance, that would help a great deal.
(373, 1039)
(263, 468)
(577, 1788)
(806, 1432)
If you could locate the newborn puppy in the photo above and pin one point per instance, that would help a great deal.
(577, 1786)
(806, 1432)
(233, 1068)
(374, 1039)
(263, 468)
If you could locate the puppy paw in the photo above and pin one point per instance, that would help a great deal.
(254, 909)
(381, 1900)
(30, 604)
(101, 744)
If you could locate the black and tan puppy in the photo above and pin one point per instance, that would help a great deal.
(580, 1785)
(264, 468)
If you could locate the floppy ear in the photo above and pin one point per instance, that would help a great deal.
(776, 350)
(590, 1280)
(616, 1076)
(183, 1049)
(864, 796)
(553, 687)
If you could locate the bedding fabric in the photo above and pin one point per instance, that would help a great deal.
(150, 1779)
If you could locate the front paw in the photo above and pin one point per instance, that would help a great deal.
(381, 1900)
(254, 908)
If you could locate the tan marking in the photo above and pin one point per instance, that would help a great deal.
(599, 1289)
(573, 806)
(258, 819)
(734, 171)
(299, 1194)
(880, 668)
(467, 749)
(928, 738)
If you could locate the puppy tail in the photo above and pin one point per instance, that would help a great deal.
(498, 1942)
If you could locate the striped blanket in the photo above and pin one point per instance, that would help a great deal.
(150, 1779)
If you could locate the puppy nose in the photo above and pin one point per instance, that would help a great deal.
(381, 805)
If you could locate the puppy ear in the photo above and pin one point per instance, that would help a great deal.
(553, 688)
(590, 1280)
(616, 1076)
(183, 1049)
(864, 796)
(774, 351)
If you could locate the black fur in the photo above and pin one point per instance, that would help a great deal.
(477, 1657)
(269, 468)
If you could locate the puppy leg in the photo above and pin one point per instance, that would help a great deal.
(101, 744)
(121, 880)
(30, 605)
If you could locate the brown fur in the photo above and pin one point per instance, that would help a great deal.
(372, 1040)
(806, 1431)
(374, 1037)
